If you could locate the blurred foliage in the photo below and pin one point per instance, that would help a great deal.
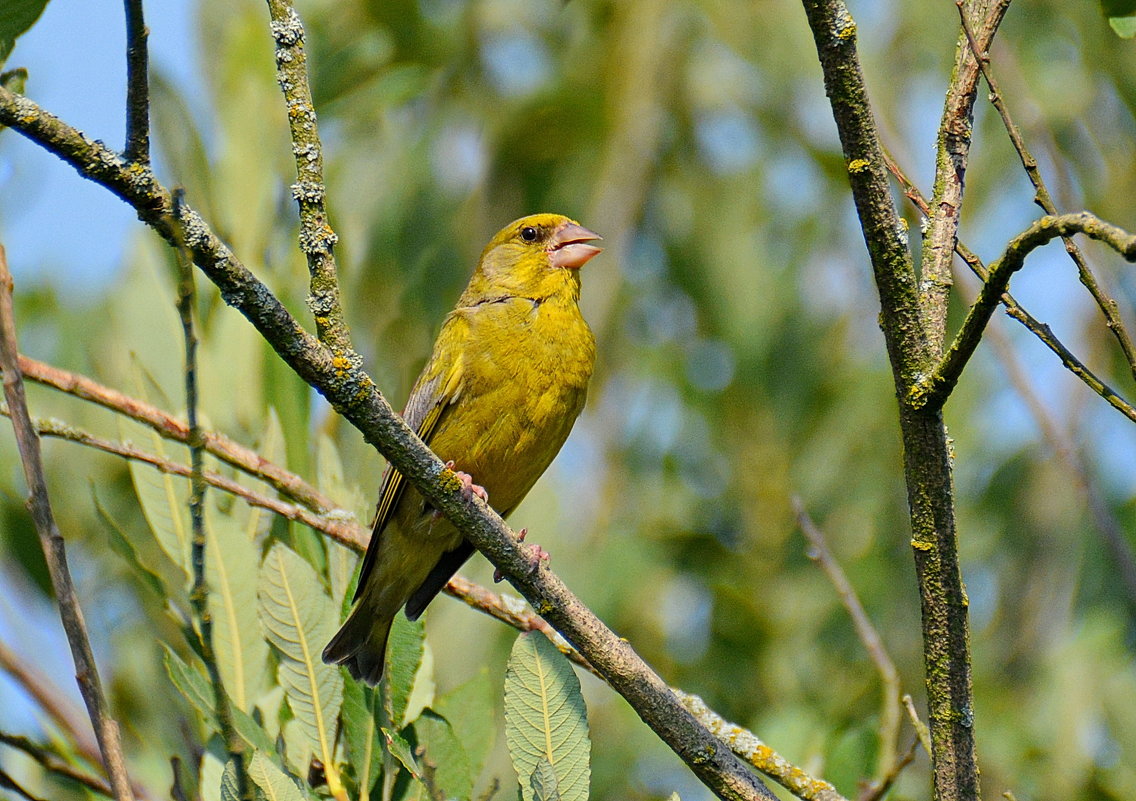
(739, 364)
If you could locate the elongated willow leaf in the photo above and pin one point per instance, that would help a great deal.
(545, 719)
(297, 616)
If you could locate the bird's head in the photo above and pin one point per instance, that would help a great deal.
(536, 256)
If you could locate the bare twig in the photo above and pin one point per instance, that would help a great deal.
(54, 551)
(170, 427)
(317, 239)
(50, 699)
(199, 597)
(890, 714)
(1039, 329)
(341, 379)
(952, 155)
(933, 390)
(921, 730)
(55, 764)
(137, 85)
(878, 789)
(1107, 305)
(339, 526)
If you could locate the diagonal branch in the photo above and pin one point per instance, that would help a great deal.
(317, 239)
(170, 427)
(1039, 329)
(931, 392)
(54, 550)
(1107, 305)
(55, 764)
(340, 378)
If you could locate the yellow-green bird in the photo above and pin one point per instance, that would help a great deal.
(506, 381)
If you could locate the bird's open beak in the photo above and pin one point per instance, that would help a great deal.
(568, 248)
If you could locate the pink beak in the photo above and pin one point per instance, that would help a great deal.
(568, 248)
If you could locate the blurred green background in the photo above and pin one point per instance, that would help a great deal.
(740, 362)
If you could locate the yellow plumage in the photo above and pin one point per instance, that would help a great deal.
(506, 381)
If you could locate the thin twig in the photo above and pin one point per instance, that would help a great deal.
(137, 85)
(50, 699)
(951, 157)
(890, 714)
(317, 239)
(921, 730)
(55, 764)
(879, 789)
(933, 390)
(1107, 305)
(339, 526)
(1039, 329)
(54, 551)
(1061, 441)
(199, 597)
(170, 427)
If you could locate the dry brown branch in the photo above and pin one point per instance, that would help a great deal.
(54, 550)
(55, 764)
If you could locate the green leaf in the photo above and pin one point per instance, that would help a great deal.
(341, 560)
(1118, 8)
(121, 543)
(543, 782)
(361, 733)
(297, 617)
(195, 688)
(1124, 27)
(164, 498)
(400, 749)
(271, 448)
(275, 783)
(545, 717)
(230, 790)
(404, 657)
(16, 16)
(471, 710)
(445, 752)
(231, 571)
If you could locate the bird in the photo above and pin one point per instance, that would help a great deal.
(506, 380)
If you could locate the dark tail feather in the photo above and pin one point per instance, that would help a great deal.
(360, 645)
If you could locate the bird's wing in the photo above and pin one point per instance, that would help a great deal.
(437, 388)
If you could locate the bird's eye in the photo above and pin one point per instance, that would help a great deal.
(528, 234)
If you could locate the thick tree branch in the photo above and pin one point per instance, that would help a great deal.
(927, 462)
(54, 550)
(952, 155)
(339, 377)
(932, 390)
(317, 239)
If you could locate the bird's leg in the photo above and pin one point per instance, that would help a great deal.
(538, 555)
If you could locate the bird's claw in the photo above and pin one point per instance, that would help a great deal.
(468, 488)
(537, 554)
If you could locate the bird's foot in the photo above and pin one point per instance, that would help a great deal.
(536, 553)
(468, 488)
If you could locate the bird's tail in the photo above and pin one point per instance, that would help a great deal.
(360, 644)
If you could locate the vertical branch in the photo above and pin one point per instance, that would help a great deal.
(54, 551)
(926, 455)
(199, 597)
(137, 85)
(950, 169)
(317, 239)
